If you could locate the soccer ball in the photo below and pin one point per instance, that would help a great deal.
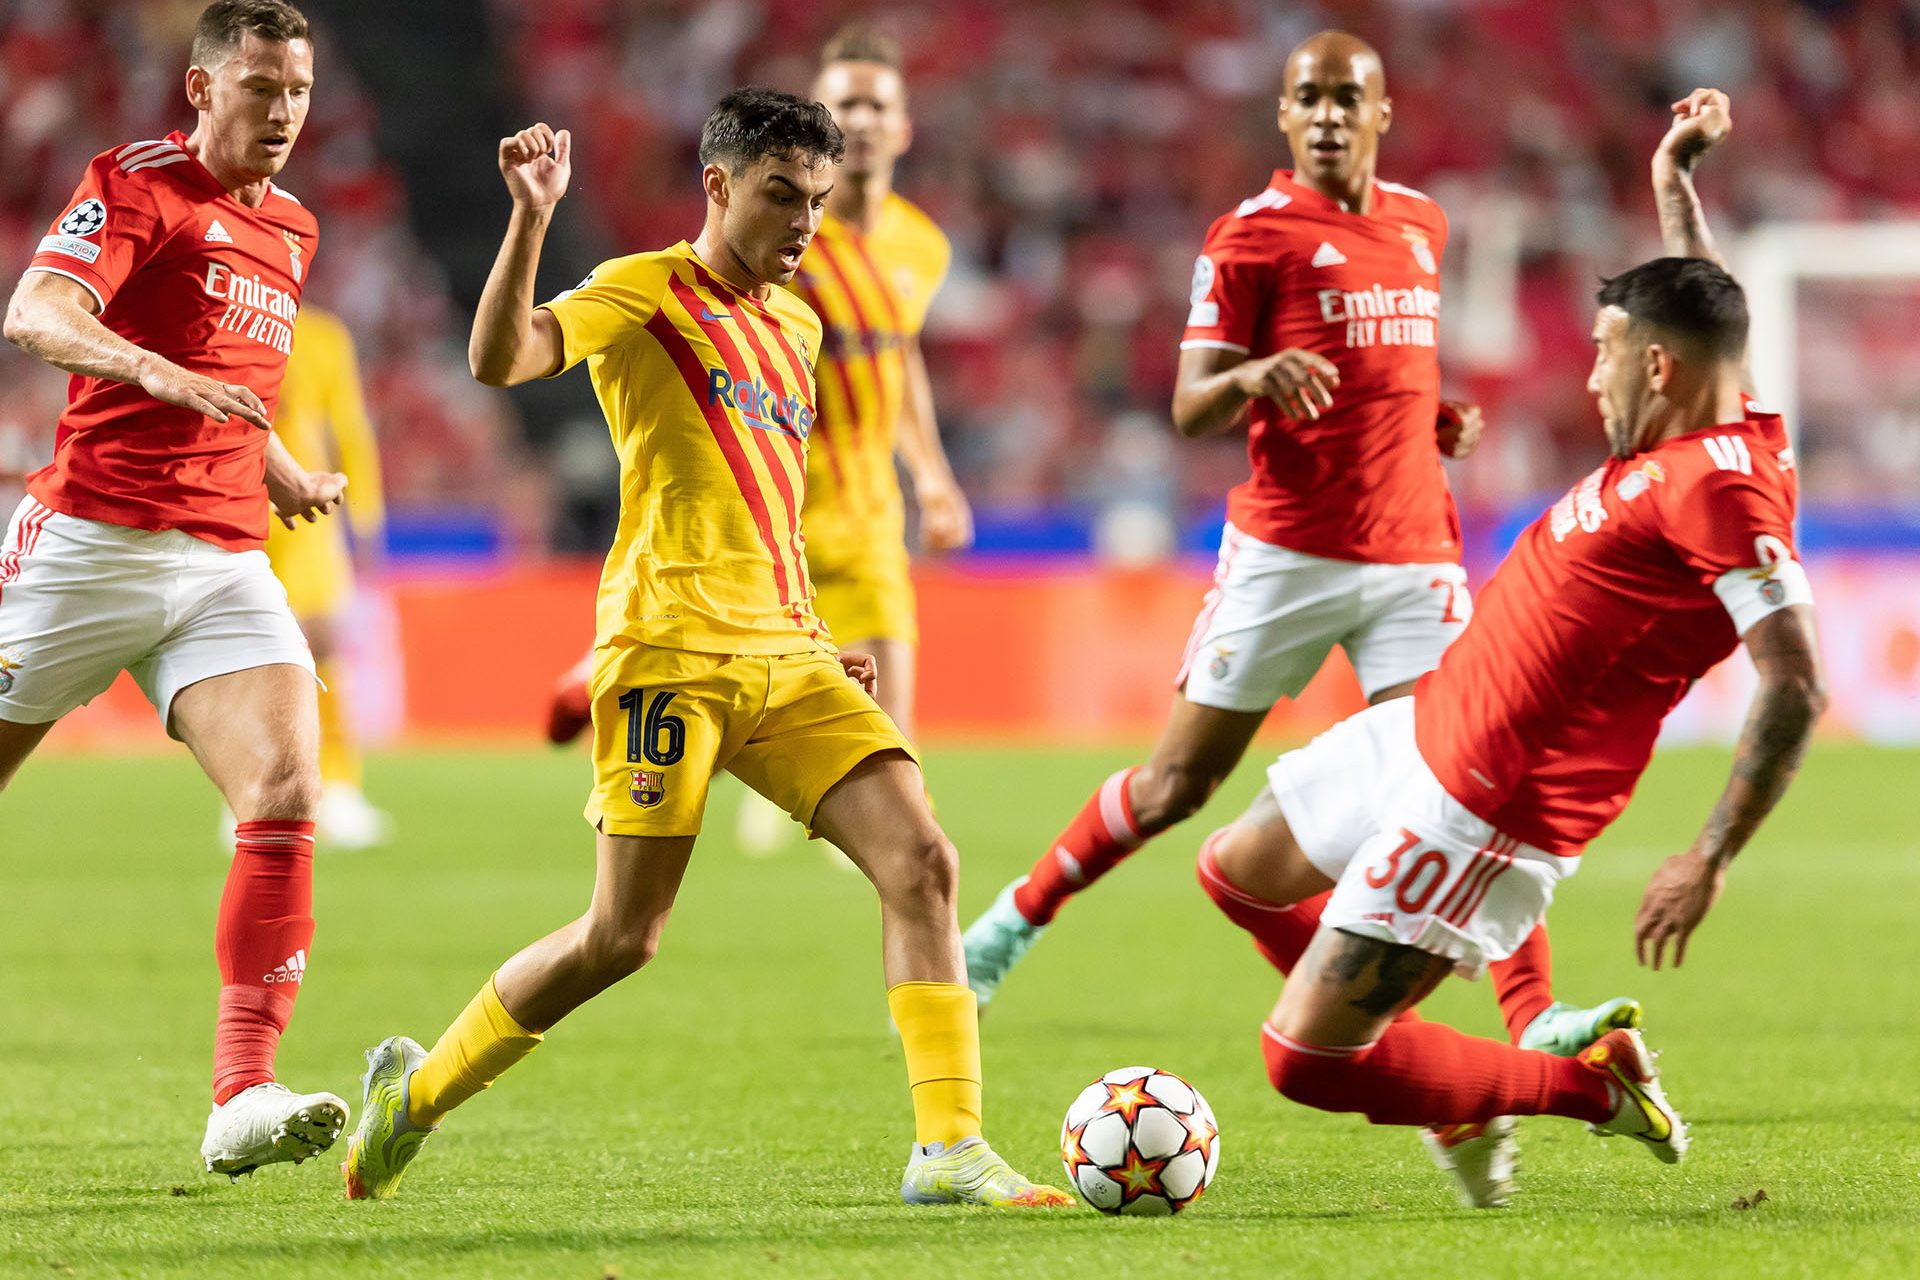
(1139, 1140)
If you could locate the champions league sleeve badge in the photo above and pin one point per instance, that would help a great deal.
(85, 219)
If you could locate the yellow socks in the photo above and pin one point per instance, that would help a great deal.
(470, 1055)
(339, 751)
(940, 1030)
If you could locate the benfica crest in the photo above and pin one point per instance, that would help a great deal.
(647, 788)
(1422, 251)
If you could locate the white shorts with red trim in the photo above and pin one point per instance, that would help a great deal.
(1410, 863)
(1274, 614)
(82, 600)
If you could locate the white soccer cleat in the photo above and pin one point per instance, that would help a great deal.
(267, 1124)
(995, 942)
(1642, 1111)
(1480, 1158)
(348, 821)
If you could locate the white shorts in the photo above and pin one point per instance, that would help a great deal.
(1411, 865)
(1274, 614)
(81, 600)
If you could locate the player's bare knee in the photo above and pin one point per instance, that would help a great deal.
(286, 789)
(926, 878)
(613, 951)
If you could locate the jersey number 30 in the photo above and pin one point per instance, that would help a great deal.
(654, 738)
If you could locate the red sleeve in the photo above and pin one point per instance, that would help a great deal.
(1736, 514)
(111, 226)
(1231, 282)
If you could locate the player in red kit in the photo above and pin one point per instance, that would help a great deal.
(1315, 323)
(1444, 822)
(168, 289)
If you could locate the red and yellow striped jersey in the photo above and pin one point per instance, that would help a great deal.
(709, 394)
(872, 292)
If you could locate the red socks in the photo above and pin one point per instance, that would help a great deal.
(1098, 839)
(1426, 1073)
(261, 940)
(1281, 934)
(1523, 982)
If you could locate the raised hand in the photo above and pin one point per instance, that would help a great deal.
(537, 164)
(1299, 381)
(1701, 121)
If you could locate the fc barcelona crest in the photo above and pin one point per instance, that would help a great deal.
(647, 789)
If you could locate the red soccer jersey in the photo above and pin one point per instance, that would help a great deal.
(1290, 268)
(186, 271)
(1541, 717)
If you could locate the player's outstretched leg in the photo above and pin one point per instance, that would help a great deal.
(1334, 1043)
(409, 1092)
(1479, 1158)
(255, 733)
(877, 813)
(1197, 750)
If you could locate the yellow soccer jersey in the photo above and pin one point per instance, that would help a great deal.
(709, 394)
(322, 420)
(872, 292)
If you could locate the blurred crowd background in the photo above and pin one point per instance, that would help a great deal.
(1075, 151)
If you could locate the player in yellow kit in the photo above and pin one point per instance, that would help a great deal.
(323, 422)
(708, 654)
(870, 274)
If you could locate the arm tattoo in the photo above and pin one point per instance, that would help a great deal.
(1683, 223)
(1772, 745)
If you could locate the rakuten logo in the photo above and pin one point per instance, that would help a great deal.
(759, 406)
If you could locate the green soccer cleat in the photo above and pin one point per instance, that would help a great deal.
(1642, 1111)
(970, 1173)
(1564, 1030)
(386, 1141)
(995, 942)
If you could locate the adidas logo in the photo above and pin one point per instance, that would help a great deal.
(218, 234)
(292, 969)
(1325, 256)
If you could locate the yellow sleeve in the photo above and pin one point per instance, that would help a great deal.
(345, 410)
(608, 306)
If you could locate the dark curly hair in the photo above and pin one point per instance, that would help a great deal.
(753, 124)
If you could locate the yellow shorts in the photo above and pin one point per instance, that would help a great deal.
(664, 721)
(866, 598)
(312, 563)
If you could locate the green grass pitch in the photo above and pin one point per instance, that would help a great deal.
(739, 1108)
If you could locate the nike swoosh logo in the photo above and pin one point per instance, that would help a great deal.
(711, 315)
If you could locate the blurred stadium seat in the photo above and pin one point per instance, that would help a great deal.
(1075, 151)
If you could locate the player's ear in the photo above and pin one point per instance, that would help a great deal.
(1386, 114)
(200, 88)
(714, 179)
(1659, 366)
